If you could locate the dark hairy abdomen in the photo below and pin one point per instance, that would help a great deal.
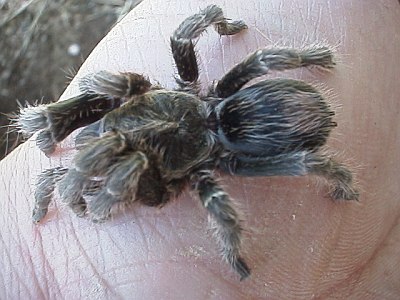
(274, 117)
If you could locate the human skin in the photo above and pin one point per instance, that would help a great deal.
(299, 243)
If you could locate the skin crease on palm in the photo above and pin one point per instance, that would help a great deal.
(299, 243)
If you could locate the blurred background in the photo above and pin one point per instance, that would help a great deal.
(42, 44)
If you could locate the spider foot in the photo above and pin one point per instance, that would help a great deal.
(318, 56)
(345, 192)
(230, 28)
(241, 267)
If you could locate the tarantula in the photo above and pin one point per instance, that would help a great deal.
(146, 144)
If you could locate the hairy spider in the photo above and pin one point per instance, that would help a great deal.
(146, 144)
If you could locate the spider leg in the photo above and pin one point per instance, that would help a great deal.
(56, 121)
(341, 177)
(101, 94)
(71, 189)
(44, 191)
(120, 186)
(88, 134)
(295, 164)
(227, 223)
(94, 160)
(120, 85)
(191, 28)
(291, 164)
(263, 60)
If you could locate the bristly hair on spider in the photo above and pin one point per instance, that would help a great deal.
(142, 143)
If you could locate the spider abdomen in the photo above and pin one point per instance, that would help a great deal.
(274, 117)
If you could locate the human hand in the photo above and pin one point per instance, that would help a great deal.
(298, 244)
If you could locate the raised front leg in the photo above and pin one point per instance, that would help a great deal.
(261, 61)
(191, 28)
(226, 220)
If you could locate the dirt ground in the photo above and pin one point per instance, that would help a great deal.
(43, 42)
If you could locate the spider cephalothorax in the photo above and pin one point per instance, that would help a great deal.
(146, 144)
